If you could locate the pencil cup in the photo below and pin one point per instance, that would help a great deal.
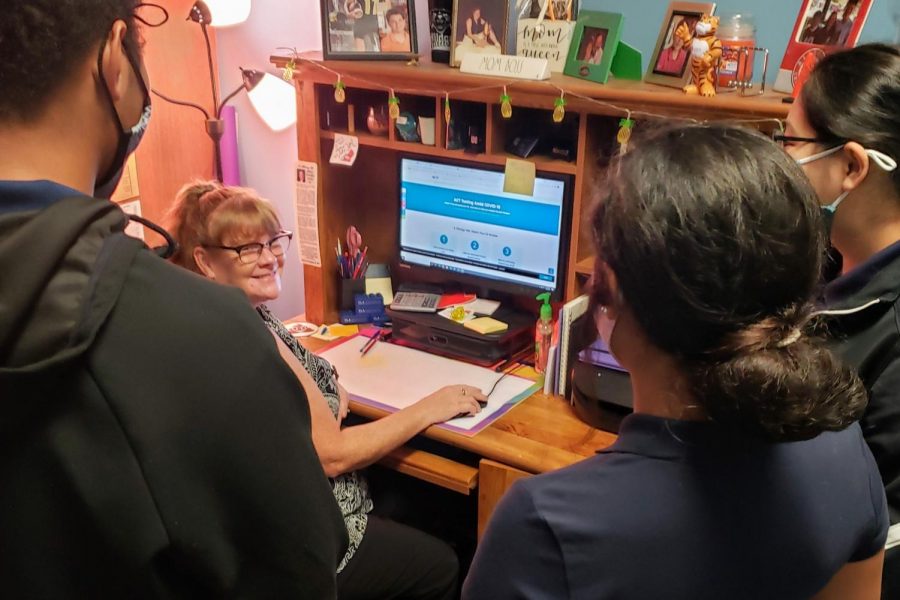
(349, 289)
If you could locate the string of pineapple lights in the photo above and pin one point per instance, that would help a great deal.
(626, 124)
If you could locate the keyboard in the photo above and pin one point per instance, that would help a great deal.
(415, 302)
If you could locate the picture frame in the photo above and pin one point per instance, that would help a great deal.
(822, 27)
(369, 29)
(481, 27)
(669, 63)
(594, 44)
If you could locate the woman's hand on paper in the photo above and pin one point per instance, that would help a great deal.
(451, 401)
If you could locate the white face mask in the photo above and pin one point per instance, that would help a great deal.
(881, 159)
(814, 157)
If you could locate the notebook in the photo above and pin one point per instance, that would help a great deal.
(569, 314)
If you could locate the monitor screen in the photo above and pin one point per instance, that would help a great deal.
(458, 218)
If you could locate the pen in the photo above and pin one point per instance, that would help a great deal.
(365, 349)
(359, 262)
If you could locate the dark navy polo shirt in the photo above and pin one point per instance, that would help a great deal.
(22, 196)
(686, 510)
(854, 287)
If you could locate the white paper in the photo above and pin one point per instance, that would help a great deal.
(134, 229)
(128, 187)
(307, 205)
(345, 150)
(398, 377)
(483, 306)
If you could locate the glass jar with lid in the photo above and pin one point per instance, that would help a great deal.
(738, 36)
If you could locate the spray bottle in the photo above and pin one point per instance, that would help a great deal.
(543, 334)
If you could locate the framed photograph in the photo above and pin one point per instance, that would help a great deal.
(669, 61)
(479, 27)
(593, 46)
(369, 29)
(822, 26)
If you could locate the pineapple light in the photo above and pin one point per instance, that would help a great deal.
(393, 106)
(559, 108)
(624, 134)
(340, 94)
(505, 105)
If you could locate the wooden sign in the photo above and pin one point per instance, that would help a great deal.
(545, 39)
(504, 65)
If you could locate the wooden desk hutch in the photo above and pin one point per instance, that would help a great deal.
(367, 194)
(542, 433)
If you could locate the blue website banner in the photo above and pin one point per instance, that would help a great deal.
(483, 208)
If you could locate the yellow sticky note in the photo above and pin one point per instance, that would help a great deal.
(338, 330)
(486, 325)
(519, 177)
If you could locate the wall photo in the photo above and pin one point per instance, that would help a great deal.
(368, 29)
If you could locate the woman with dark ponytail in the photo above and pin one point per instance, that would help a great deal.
(845, 132)
(741, 473)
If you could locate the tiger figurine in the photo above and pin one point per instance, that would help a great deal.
(706, 50)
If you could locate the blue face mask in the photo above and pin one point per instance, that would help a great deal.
(128, 139)
(881, 159)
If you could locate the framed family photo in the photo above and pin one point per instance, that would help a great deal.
(822, 26)
(594, 44)
(670, 58)
(369, 29)
(479, 27)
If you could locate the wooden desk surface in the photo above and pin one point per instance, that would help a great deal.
(539, 434)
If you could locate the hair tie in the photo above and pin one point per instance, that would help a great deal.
(790, 338)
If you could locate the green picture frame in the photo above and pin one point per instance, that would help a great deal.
(594, 44)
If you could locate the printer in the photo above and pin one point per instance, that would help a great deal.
(601, 388)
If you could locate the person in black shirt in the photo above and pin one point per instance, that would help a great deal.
(741, 473)
(154, 445)
(845, 131)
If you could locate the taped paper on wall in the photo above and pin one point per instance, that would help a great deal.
(307, 205)
(133, 207)
(128, 187)
(345, 150)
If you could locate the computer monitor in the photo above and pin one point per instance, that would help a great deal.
(456, 217)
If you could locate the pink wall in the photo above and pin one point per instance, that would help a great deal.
(267, 158)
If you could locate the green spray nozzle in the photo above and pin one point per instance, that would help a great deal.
(546, 309)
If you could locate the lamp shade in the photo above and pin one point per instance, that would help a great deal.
(273, 99)
(225, 13)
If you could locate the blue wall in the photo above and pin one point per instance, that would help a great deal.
(774, 22)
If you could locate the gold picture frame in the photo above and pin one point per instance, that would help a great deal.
(669, 64)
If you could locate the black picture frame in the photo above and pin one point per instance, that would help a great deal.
(368, 29)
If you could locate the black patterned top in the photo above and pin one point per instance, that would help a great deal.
(350, 489)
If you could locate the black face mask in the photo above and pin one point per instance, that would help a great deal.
(128, 140)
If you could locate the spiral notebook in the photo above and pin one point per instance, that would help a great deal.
(569, 318)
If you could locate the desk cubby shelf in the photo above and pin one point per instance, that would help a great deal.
(376, 141)
(366, 194)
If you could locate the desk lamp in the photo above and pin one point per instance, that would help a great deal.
(273, 99)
